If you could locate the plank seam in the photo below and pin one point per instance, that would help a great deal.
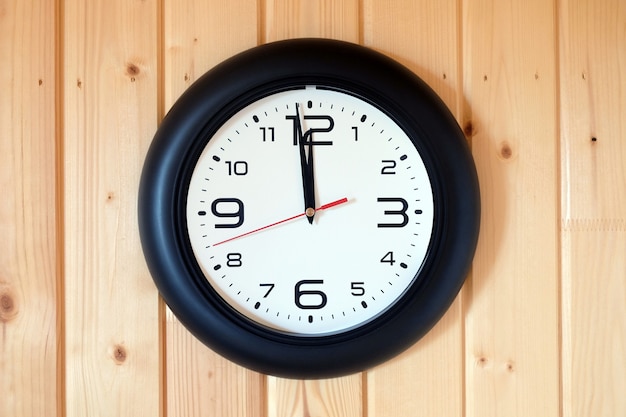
(261, 18)
(560, 308)
(160, 109)
(593, 225)
(59, 58)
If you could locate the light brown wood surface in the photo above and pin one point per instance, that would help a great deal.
(30, 275)
(593, 207)
(111, 310)
(539, 88)
(512, 326)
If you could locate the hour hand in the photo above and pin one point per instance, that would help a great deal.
(306, 166)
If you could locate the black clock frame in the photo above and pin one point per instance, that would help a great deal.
(212, 100)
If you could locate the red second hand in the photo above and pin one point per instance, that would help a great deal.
(323, 207)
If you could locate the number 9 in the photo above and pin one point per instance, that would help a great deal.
(238, 213)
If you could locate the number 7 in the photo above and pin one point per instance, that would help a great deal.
(268, 291)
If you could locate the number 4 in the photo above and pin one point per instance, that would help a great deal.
(388, 258)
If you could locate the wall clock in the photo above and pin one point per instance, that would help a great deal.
(309, 208)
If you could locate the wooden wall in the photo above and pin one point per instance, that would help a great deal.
(539, 87)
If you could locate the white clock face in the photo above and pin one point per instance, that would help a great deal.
(315, 272)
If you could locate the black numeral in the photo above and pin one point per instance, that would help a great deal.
(268, 133)
(237, 167)
(307, 137)
(401, 212)
(314, 299)
(357, 288)
(388, 167)
(217, 208)
(233, 260)
(271, 287)
(388, 258)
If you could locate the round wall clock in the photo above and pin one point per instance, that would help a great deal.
(309, 208)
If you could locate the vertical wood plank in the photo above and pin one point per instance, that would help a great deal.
(427, 379)
(283, 19)
(199, 382)
(29, 267)
(594, 318)
(422, 35)
(593, 217)
(286, 19)
(512, 328)
(110, 115)
(200, 34)
(196, 36)
(336, 397)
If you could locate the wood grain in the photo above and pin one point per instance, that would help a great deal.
(110, 108)
(593, 217)
(196, 36)
(29, 249)
(199, 34)
(512, 321)
(202, 383)
(422, 35)
(426, 380)
(336, 397)
(285, 19)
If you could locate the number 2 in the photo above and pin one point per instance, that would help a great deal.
(388, 168)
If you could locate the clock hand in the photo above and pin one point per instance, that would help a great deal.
(305, 213)
(306, 166)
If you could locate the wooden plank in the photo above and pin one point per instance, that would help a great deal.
(202, 383)
(29, 267)
(512, 328)
(196, 36)
(427, 379)
(422, 35)
(336, 397)
(286, 19)
(200, 34)
(593, 104)
(113, 351)
(283, 19)
(594, 318)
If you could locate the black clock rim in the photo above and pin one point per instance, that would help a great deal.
(207, 104)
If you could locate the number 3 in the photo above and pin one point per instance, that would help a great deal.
(402, 212)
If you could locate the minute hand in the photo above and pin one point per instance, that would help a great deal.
(306, 166)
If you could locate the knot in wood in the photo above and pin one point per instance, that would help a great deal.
(8, 311)
(119, 354)
(505, 151)
(468, 129)
(510, 366)
(482, 362)
(132, 71)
